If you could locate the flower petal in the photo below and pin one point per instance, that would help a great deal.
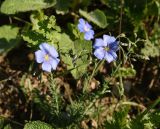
(54, 62)
(110, 56)
(100, 53)
(108, 39)
(44, 47)
(49, 49)
(81, 25)
(89, 35)
(81, 28)
(39, 56)
(82, 21)
(88, 26)
(52, 51)
(113, 53)
(46, 66)
(114, 46)
(98, 43)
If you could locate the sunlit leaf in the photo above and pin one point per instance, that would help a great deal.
(37, 125)
(14, 6)
(8, 37)
(97, 17)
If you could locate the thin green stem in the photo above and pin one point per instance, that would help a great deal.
(152, 106)
(98, 65)
(21, 20)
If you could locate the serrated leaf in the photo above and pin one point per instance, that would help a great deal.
(8, 37)
(37, 125)
(97, 17)
(33, 38)
(14, 6)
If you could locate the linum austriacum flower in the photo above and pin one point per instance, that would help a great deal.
(106, 48)
(48, 56)
(86, 28)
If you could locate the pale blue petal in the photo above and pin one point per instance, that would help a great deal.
(52, 52)
(44, 47)
(110, 56)
(88, 26)
(48, 49)
(89, 35)
(81, 28)
(108, 39)
(113, 53)
(99, 43)
(81, 25)
(99, 53)
(82, 21)
(54, 62)
(46, 66)
(39, 56)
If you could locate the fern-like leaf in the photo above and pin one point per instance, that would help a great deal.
(37, 125)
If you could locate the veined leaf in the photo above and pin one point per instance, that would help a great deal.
(14, 6)
(8, 37)
(37, 125)
(97, 17)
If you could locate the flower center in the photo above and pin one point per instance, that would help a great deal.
(106, 48)
(46, 57)
(86, 28)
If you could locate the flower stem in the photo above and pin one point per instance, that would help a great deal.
(98, 65)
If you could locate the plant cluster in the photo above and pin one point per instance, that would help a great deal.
(77, 74)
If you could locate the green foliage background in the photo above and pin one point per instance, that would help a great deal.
(135, 23)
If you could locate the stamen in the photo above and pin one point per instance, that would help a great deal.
(46, 57)
(106, 48)
(86, 28)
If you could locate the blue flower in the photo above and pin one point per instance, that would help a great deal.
(106, 48)
(85, 28)
(47, 55)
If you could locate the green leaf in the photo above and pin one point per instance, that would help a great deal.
(62, 6)
(82, 49)
(119, 120)
(44, 29)
(66, 46)
(8, 37)
(97, 17)
(33, 38)
(8, 126)
(37, 125)
(14, 6)
(2, 122)
(126, 72)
